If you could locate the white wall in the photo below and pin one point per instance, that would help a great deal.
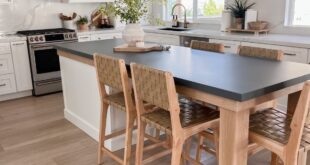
(38, 14)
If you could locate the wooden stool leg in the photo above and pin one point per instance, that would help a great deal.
(274, 159)
(104, 111)
(177, 150)
(187, 150)
(198, 152)
(140, 142)
(128, 138)
(216, 142)
(302, 157)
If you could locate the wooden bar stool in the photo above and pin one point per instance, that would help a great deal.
(260, 53)
(112, 72)
(179, 118)
(287, 136)
(203, 45)
(211, 135)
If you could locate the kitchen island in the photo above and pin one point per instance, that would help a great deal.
(235, 84)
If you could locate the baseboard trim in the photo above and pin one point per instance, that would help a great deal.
(89, 129)
(15, 95)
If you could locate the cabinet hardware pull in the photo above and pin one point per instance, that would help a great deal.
(84, 37)
(17, 44)
(227, 46)
(1, 64)
(2, 85)
(290, 54)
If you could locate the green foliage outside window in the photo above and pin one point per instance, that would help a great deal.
(211, 9)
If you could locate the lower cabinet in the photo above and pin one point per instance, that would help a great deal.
(84, 38)
(229, 46)
(6, 64)
(7, 84)
(162, 39)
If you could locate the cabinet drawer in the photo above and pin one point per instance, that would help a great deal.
(5, 48)
(162, 38)
(229, 46)
(7, 84)
(96, 37)
(6, 64)
(292, 54)
(84, 38)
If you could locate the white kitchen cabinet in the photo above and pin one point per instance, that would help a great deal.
(21, 65)
(6, 64)
(86, 1)
(105, 36)
(6, 2)
(229, 46)
(5, 48)
(162, 38)
(292, 54)
(84, 38)
(7, 84)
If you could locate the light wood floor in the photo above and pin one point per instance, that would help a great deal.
(33, 131)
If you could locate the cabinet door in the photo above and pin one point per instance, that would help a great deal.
(6, 64)
(229, 46)
(21, 65)
(5, 48)
(162, 38)
(292, 54)
(7, 84)
(84, 38)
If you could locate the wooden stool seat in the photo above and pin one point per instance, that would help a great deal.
(191, 113)
(116, 100)
(275, 125)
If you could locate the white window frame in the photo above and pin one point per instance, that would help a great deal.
(289, 15)
(195, 19)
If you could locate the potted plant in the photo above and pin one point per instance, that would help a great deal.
(130, 12)
(82, 23)
(238, 9)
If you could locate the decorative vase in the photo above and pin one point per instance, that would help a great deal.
(133, 34)
(239, 23)
(83, 27)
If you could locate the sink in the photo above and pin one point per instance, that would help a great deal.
(174, 29)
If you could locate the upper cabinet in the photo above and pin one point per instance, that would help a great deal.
(85, 1)
(6, 2)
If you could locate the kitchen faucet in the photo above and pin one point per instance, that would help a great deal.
(185, 20)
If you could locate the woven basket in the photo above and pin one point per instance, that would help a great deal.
(258, 25)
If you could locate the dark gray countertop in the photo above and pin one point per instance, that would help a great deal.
(230, 76)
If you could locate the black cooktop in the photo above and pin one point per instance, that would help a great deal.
(45, 31)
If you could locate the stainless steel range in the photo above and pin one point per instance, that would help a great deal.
(44, 59)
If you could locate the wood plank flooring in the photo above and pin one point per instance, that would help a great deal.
(33, 131)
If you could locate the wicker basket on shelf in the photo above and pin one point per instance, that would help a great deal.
(258, 25)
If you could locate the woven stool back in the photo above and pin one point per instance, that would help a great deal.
(203, 45)
(151, 85)
(260, 53)
(109, 71)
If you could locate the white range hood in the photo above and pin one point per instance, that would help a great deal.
(86, 1)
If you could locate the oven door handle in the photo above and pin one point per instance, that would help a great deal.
(41, 47)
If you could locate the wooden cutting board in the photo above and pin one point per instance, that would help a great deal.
(145, 48)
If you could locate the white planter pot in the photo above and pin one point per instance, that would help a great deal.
(132, 34)
(69, 24)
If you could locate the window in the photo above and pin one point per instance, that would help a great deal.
(298, 13)
(196, 10)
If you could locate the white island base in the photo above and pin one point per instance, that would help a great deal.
(82, 102)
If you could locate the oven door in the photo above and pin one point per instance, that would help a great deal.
(44, 62)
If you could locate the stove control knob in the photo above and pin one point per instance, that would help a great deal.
(31, 39)
(66, 35)
(37, 39)
(70, 35)
(41, 38)
(74, 35)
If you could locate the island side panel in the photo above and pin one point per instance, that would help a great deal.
(82, 101)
